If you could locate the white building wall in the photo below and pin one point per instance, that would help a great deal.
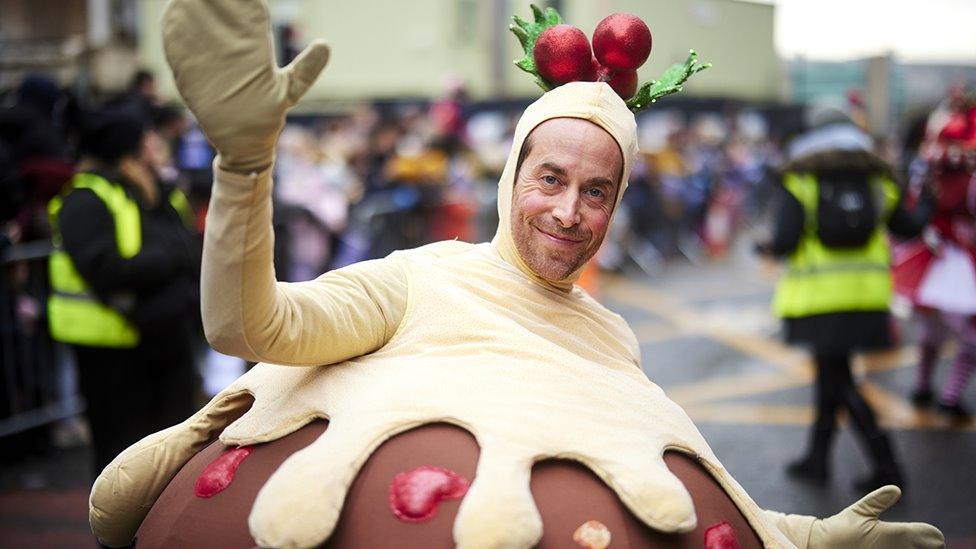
(387, 48)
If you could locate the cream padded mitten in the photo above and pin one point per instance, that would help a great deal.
(859, 526)
(796, 528)
(222, 59)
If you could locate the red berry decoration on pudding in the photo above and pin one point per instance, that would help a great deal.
(600, 73)
(556, 54)
(622, 42)
(624, 83)
(562, 54)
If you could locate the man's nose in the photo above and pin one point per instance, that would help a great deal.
(567, 209)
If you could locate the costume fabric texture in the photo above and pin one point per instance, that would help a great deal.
(451, 332)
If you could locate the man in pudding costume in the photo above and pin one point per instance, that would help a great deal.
(491, 338)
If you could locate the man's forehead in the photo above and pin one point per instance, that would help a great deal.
(572, 138)
(563, 127)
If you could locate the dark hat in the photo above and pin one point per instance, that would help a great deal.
(111, 135)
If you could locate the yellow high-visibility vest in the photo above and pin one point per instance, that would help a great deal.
(181, 204)
(75, 315)
(823, 280)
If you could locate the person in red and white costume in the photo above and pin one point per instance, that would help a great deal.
(937, 271)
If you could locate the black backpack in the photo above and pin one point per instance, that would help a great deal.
(847, 210)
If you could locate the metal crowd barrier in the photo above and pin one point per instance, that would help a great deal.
(36, 383)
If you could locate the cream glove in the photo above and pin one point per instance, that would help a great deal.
(859, 526)
(222, 60)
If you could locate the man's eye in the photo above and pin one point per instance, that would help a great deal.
(596, 193)
(550, 179)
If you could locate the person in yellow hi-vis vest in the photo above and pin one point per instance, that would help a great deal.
(836, 203)
(123, 282)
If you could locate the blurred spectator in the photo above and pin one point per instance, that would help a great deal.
(143, 84)
(38, 162)
(140, 98)
(938, 272)
(836, 200)
(124, 283)
(169, 124)
(447, 114)
(316, 189)
(35, 163)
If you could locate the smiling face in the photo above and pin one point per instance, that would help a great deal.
(564, 195)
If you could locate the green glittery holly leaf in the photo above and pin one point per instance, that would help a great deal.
(670, 82)
(527, 33)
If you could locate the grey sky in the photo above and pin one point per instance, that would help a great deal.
(914, 30)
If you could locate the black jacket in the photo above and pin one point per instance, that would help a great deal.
(163, 276)
(789, 216)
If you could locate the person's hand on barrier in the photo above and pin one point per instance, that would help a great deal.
(221, 55)
(860, 526)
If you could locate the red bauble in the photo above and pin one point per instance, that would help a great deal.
(624, 83)
(562, 54)
(600, 73)
(622, 42)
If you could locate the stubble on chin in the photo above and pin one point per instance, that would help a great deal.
(548, 264)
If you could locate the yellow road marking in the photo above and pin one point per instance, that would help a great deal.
(728, 387)
(794, 369)
(787, 358)
(802, 415)
(765, 414)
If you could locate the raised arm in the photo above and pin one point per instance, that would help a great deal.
(246, 312)
(223, 63)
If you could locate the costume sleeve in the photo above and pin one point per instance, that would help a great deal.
(796, 528)
(88, 235)
(246, 312)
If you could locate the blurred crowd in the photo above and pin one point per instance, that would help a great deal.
(387, 177)
(426, 170)
(100, 251)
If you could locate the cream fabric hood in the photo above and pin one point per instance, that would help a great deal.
(592, 101)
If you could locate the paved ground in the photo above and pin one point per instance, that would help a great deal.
(707, 338)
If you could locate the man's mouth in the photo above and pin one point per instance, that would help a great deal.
(561, 240)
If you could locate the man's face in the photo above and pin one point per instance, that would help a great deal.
(564, 195)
